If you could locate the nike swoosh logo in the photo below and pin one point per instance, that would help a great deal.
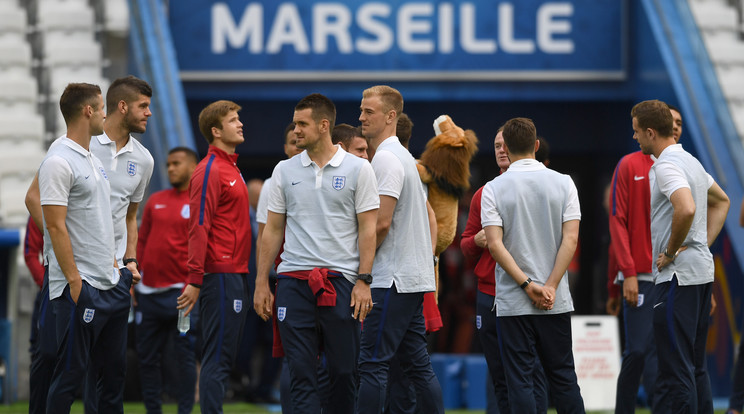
(296, 182)
(637, 178)
(86, 177)
(660, 303)
(232, 183)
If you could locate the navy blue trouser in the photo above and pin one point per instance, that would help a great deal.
(681, 319)
(156, 319)
(93, 327)
(639, 356)
(108, 366)
(736, 400)
(305, 328)
(520, 337)
(222, 301)
(395, 326)
(401, 396)
(43, 350)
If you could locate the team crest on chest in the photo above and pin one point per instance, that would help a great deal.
(131, 168)
(88, 315)
(281, 313)
(237, 305)
(339, 182)
(478, 322)
(185, 211)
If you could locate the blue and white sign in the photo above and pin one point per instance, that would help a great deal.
(349, 40)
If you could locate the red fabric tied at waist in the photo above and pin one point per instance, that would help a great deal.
(323, 290)
(318, 281)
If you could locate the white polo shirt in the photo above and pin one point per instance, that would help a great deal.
(674, 169)
(405, 256)
(129, 171)
(531, 203)
(73, 177)
(321, 207)
(262, 208)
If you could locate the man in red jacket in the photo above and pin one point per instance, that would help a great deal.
(473, 246)
(162, 249)
(219, 249)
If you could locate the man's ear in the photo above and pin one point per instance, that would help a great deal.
(537, 144)
(122, 107)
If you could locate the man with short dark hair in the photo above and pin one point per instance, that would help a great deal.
(526, 203)
(688, 210)
(162, 249)
(328, 201)
(351, 140)
(86, 290)
(219, 249)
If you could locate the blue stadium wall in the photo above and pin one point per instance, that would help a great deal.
(575, 67)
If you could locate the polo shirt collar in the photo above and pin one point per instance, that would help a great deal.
(526, 164)
(233, 158)
(75, 146)
(389, 141)
(334, 162)
(104, 139)
(671, 149)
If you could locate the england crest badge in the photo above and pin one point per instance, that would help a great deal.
(237, 305)
(281, 313)
(339, 182)
(131, 168)
(185, 211)
(88, 315)
(478, 322)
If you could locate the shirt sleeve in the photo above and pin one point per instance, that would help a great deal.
(489, 213)
(204, 194)
(366, 196)
(262, 207)
(389, 172)
(572, 210)
(467, 242)
(670, 178)
(55, 181)
(619, 221)
(277, 202)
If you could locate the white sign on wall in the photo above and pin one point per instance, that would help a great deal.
(596, 348)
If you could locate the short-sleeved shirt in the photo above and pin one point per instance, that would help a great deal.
(533, 203)
(129, 172)
(73, 177)
(321, 207)
(262, 208)
(405, 256)
(675, 169)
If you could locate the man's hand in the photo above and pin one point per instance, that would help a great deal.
(188, 298)
(630, 291)
(540, 296)
(136, 277)
(662, 261)
(480, 239)
(75, 288)
(713, 304)
(361, 300)
(263, 301)
(613, 306)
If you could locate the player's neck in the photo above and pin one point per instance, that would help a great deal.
(116, 133)
(322, 153)
(386, 133)
(516, 157)
(230, 149)
(80, 134)
(663, 144)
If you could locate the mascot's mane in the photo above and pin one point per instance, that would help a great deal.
(449, 166)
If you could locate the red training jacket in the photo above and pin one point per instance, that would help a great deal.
(163, 243)
(219, 226)
(486, 267)
(33, 244)
(630, 217)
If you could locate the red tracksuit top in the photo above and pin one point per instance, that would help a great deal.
(630, 218)
(219, 226)
(486, 267)
(163, 242)
(33, 244)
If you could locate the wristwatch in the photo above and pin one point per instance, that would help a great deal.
(526, 282)
(669, 256)
(365, 277)
(131, 260)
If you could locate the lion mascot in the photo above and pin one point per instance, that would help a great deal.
(445, 168)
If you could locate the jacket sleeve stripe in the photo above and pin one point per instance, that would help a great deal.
(204, 190)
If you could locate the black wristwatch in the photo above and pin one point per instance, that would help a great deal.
(669, 256)
(526, 282)
(130, 260)
(365, 277)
